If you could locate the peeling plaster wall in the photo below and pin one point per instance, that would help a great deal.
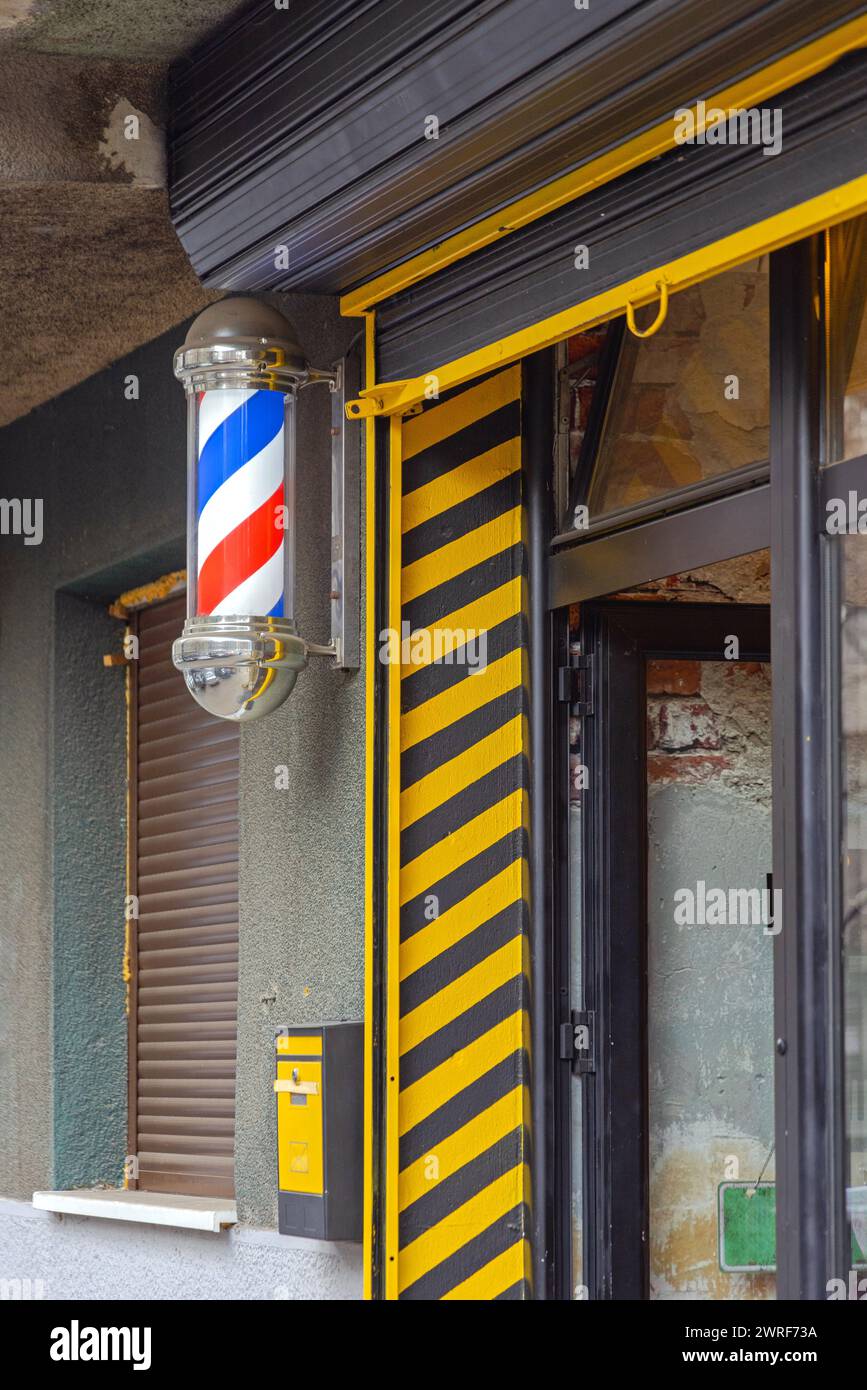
(90, 265)
(710, 988)
(150, 29)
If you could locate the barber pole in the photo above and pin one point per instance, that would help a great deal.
(241, 504)
(241, 365)
(240, 652)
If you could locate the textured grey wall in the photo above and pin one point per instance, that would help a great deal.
(90, 1110)
(82, 1258)
(111, 472)
(302, 848)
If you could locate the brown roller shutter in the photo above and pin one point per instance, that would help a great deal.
(184, 871)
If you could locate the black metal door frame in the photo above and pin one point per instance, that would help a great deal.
(617, 641)
(787, 513)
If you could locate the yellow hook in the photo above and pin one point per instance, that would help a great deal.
(662, 286)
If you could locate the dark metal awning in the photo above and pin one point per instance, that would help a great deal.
(299, 147)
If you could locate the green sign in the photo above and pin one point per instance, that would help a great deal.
(748, 1228)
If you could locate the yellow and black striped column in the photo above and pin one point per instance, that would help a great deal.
(459, 1167)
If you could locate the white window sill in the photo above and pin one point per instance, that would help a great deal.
(152, 1208)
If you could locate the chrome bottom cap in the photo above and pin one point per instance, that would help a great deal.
(239, 668)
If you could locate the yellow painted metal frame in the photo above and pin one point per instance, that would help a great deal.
(369, 801)
(399, 397)
(392, 934)
(127, 603)
(146, 594)
(803, 220)
(751, 90)
(396, 399)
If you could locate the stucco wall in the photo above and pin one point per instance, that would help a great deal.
(301, 865)
(89, 1083)
(75, 1257)
(111, 472)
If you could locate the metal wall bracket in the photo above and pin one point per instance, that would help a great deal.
(384, 398)
(345, 520)
(574, 685)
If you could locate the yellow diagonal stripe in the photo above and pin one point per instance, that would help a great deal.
(434, 425)
(460, 772)
(466, 480)
(427, 1094)
(508, 1269)
(456, 923)
(456, 849)
(450, 1154)
(467, 1221)
(457, 556)
(448, 633)
(463, 993)
(463, 698)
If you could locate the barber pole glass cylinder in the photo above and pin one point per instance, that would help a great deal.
(242, 510)
(240, 652)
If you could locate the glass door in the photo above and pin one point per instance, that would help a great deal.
(672, 961)
(717, 1131)
(844, 495)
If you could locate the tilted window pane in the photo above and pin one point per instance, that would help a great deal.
(691, 402)
(847, 367)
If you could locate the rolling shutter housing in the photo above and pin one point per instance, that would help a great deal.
(683, 201)
(184, 860)
(311, 133)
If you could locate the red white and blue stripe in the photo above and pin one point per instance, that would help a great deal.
(240, 503)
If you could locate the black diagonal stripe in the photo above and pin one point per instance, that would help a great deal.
(450, 964)
(489, 432)
(470, 1258)
(466, 516)
(480, 1095)
(463, 1030)
(465, 588)
(456, 738)
(473, 801)
(428, 681)
(453, 391)
(516, 1293)
(447, 892)
(467, 1182)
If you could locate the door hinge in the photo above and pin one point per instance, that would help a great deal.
(575, 685)
(577, 1041)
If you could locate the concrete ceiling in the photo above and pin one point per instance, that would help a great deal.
(90, 266)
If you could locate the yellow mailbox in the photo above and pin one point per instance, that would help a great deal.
(319, 1090)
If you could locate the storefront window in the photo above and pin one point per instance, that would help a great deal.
(688, 404)
(846, 438)
(576, 983)
(854, 880)
(847, 355)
